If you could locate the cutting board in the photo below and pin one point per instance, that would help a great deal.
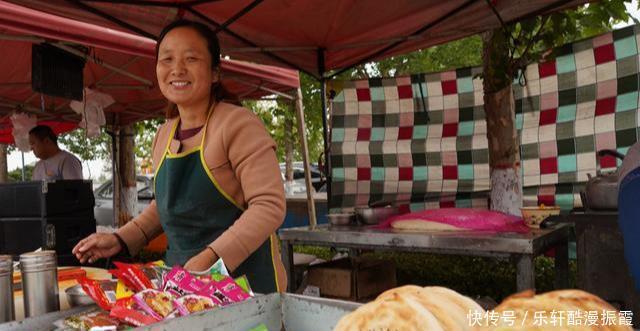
(93, 273)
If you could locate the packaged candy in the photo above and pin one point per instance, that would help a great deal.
(232, 290)
(103, 293)
(155, 303)
(91, 320)
(128, 311)
(212, 292)
(180, 282)
(132, 276)
(193, 303)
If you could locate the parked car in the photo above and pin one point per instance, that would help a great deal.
(104, 199)
(298, 185)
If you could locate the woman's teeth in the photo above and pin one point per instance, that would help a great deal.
(179, 84)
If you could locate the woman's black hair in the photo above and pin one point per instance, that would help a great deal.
(217, 91)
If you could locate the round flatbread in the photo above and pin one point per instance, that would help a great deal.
(422, 225)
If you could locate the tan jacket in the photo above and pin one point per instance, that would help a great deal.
(241, 157)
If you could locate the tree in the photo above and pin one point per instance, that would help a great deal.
(15, 175)
(506, 52)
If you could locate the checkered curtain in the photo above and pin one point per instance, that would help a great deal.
(420, 141)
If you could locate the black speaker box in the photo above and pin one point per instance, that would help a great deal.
(56, 72)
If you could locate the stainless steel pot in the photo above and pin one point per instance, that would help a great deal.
(375, 215)
(601, 191)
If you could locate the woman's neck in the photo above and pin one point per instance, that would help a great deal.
(193, 116)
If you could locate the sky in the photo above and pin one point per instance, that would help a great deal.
(93, 169)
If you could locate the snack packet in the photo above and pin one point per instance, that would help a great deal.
(260, 327)
(103, 293)
(180, 282)
(156, 303)
(217, 268)
(193, 303)
(128, 311)
(91, 320)
(132, 276)
(242, 281)
(123, 291)
(224, 292)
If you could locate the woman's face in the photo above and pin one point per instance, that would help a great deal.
(184, 67)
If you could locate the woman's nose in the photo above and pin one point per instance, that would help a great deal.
(178, 68)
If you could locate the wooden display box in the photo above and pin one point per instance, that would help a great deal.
(353, 278)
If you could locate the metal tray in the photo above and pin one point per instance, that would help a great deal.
(277, 311)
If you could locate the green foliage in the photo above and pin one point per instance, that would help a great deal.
(15, 175)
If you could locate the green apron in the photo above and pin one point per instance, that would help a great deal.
(194, 211)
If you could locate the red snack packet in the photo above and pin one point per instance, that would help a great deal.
(179, 282)
(127, 311)
(132, 276)
(96, 290)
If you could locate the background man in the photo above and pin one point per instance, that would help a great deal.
(54, 163)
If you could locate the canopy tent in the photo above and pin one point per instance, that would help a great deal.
(118, 63)
(311, 36)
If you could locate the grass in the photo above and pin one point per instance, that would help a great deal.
(472, 276)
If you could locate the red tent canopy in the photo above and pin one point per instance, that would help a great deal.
(129, 75)
(294, 33)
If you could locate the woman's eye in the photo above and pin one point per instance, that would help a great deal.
(192, 59)
(166, 59)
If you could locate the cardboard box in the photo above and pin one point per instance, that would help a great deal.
(353, 278)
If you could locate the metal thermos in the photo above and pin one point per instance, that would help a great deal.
(39, 282)
(7, 312)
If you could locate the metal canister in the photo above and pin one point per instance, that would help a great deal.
(7, 312)
(39, 282)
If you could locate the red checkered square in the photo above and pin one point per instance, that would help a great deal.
(549, 165)
(547, 200)
(450, 130)
(363, 94)
(547, 69)
(608, 162)
(405, 133)
(364, 173)
(405, 92)
(449, 87)
(604, 53)
(405, 173)
(548, 116)
(605, 106)
(364, 134)
(450, 172)
(447, 204)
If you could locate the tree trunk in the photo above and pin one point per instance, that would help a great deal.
(4, 173)
(127, 176)
(499, 107)
(302, 132)
(288, 147)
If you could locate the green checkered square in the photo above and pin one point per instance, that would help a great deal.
(465, 128)
(519, 121)
(377, 93)
(339, 97)
(625, 47)
(567, 163)
(565, 201)
(419, 132)
(464, 84)
(420, 173)
(377, 134)
(627, 101)
(465, 171)
(567, 113)
(377, 174)
(565, 63)
(337, 135)
(338, 174)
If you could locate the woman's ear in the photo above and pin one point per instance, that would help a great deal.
(215, 76)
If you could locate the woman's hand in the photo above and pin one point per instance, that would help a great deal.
(97, 246)
(203, 261)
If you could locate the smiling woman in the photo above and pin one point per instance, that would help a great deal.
(218, 188)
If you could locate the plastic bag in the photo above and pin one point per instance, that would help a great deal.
(92, 110)
(22, 123)
(465, 218)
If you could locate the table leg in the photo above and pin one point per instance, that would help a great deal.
(525, 275)
(562, 265)
(287, 260)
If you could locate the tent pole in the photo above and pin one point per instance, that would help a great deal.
(302, 133)
(325, 128)
(23, 175)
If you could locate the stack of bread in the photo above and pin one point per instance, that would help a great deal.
(524, 306)
(409, 308)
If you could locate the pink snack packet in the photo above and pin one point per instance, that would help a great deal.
(179, 282)
(155, 303)
(224, 292)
